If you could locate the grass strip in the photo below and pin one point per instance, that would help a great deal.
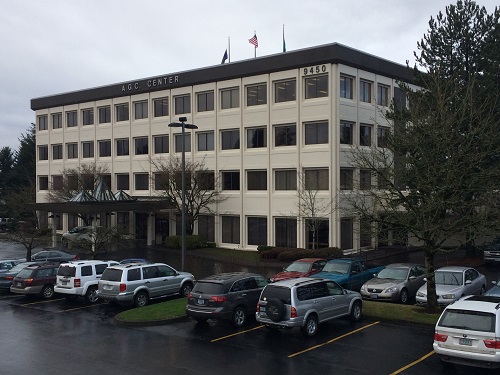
(172, 309)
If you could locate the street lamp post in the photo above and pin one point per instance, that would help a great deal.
(182, 124)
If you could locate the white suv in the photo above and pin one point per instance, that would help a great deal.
(468, 332)
(80, 278)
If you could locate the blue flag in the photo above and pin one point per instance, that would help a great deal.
(224, 58)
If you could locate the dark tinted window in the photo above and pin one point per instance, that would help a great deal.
(150, 272)
(245, 284)
(99, 268)
(112, 274)
(86, 271)
(133, 275)
(470, 320)
(312, 291)
(204, 287)
(261, 281)
(166, 271)
(281, 293)
(66, 271)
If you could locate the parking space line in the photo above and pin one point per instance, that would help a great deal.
(235, 334)
(81, 307)
(413, 363)
(332, 340)
(47, 301)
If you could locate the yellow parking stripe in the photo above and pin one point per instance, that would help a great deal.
(235, 334)
(332, 340)
(413, 363)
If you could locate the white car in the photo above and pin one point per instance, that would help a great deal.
(452, 283)
(468, 332)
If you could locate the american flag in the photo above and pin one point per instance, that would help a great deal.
(253, 40)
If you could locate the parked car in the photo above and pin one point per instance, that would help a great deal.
(53, 256)
(226, 296)
(37, 279)
(300, 268)
(494, 290)
(75, 234)
(397, 282)
(7, 277)
(491, 251)
(468, 332)
(133, 260)
(137, 283)
(7, 264)
(306, 302)
(452, 283)
(81, 278)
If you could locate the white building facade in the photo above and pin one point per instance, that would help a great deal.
(262, 123)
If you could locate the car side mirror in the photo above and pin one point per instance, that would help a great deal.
(425, 279)
(467, 282)
(494, 282)
(412, 278)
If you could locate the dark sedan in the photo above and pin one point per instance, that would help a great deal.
(7, 277)
(53, 256)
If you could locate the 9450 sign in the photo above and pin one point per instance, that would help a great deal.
(314, 70)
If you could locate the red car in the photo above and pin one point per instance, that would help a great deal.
(300, 268)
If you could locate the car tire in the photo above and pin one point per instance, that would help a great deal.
(404, 296)
(186, 288)
(141, 299)
(47, 291)
(239, 317)
(91, 295)
(355, 314)
(275, 309)
(311, 327)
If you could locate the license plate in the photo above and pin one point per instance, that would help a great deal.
(201, 302)
(464, 341)
(373, 295)
(64, 283)
(19, 284)
(262, 309)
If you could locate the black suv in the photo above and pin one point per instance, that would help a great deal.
(36, 279)
(226, 296)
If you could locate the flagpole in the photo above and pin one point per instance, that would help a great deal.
(284, 45)
(229, 48)
(254, 46)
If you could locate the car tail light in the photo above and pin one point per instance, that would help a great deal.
(293, 312)
(440, 338)
(218, 299)
(123, 287)
(75, 257)
(28, 281)
(492, 344)
(9, 277)
(77, 283)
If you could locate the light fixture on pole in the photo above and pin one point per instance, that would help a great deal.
(182, 124)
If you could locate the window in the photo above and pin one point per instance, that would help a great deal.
(178, 142)
(160, 144)
(316, 133)
(104, 148)
(230, 98)
(88, 149)
(365, 233)
(365, 179)
(57, 121)
(72, 150)
(383, 179)
(317, 232)
(57, 182)
(365, 135)
(230, 180)
(43, 152)
(231, 229)
(141, 146)
(182, 104)
(71, 119)
(230, 139)
(285, 135)
(72, 181)
(206, 180)
(43, 183)
(104, 114)
(256, 94)
(57, 152)
(160, 107)
(382, 134)
(42, 122)
(285, 179)
(316, 87)
(205, 141)
(365, 91)
(88, 116)
(141, 181)
(257, 180)
(286, 232)
(122, 112)
(140, 110)
(206, 227)
(285, 91)
(346, 233)
(257, 230)
(161, 181)
(346, 130)
(256, 137)
(346, 85)
(346, 178)
(122, 147)
(382, 95)
(122, 182)
(316, 179)
(205, 101)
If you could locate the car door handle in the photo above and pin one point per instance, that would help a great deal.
(315, 302)
(244, 295)
(147, 282)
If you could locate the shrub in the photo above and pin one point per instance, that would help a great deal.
(274, 252)
(192, 242)
(264, 248)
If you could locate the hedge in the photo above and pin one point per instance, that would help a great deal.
(192, 242)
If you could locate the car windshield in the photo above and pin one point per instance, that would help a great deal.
(112, 274)
(298, 267)
(393, 273)
(466, 319)
(449, 278)
(336, 267)
(203, 287)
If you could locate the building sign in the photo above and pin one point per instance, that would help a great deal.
(162, 82)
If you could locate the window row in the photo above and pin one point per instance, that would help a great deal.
(365, 91)
(364, 133)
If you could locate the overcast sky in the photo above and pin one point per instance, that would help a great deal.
(56, 46)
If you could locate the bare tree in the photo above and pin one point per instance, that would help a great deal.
(98, 239)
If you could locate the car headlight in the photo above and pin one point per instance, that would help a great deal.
(420, 294)
(363, 287)
(448, 296)
(391, 289)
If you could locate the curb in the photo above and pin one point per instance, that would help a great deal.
(149, 323)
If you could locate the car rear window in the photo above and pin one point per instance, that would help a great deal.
(112, 274)
(470, 320)
(209, 288)
(99, 268)
(25, 273)
(281, 293)
(66, 271)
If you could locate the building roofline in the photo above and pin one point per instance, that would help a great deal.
(325, 54)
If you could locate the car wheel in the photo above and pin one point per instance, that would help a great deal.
(239, 317)
(141, 299)
(186, 288)
(91, 295)
(311, 327)
(47, 291)
(355, 314)
(404, 297)
(275, 309)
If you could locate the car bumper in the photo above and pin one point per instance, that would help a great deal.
(467, 358)
(70, 291)
(290, 323)
(122, 297)
(422, 301)
(5, 285)
(27, 290)
(394, 296)
(200, 313)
